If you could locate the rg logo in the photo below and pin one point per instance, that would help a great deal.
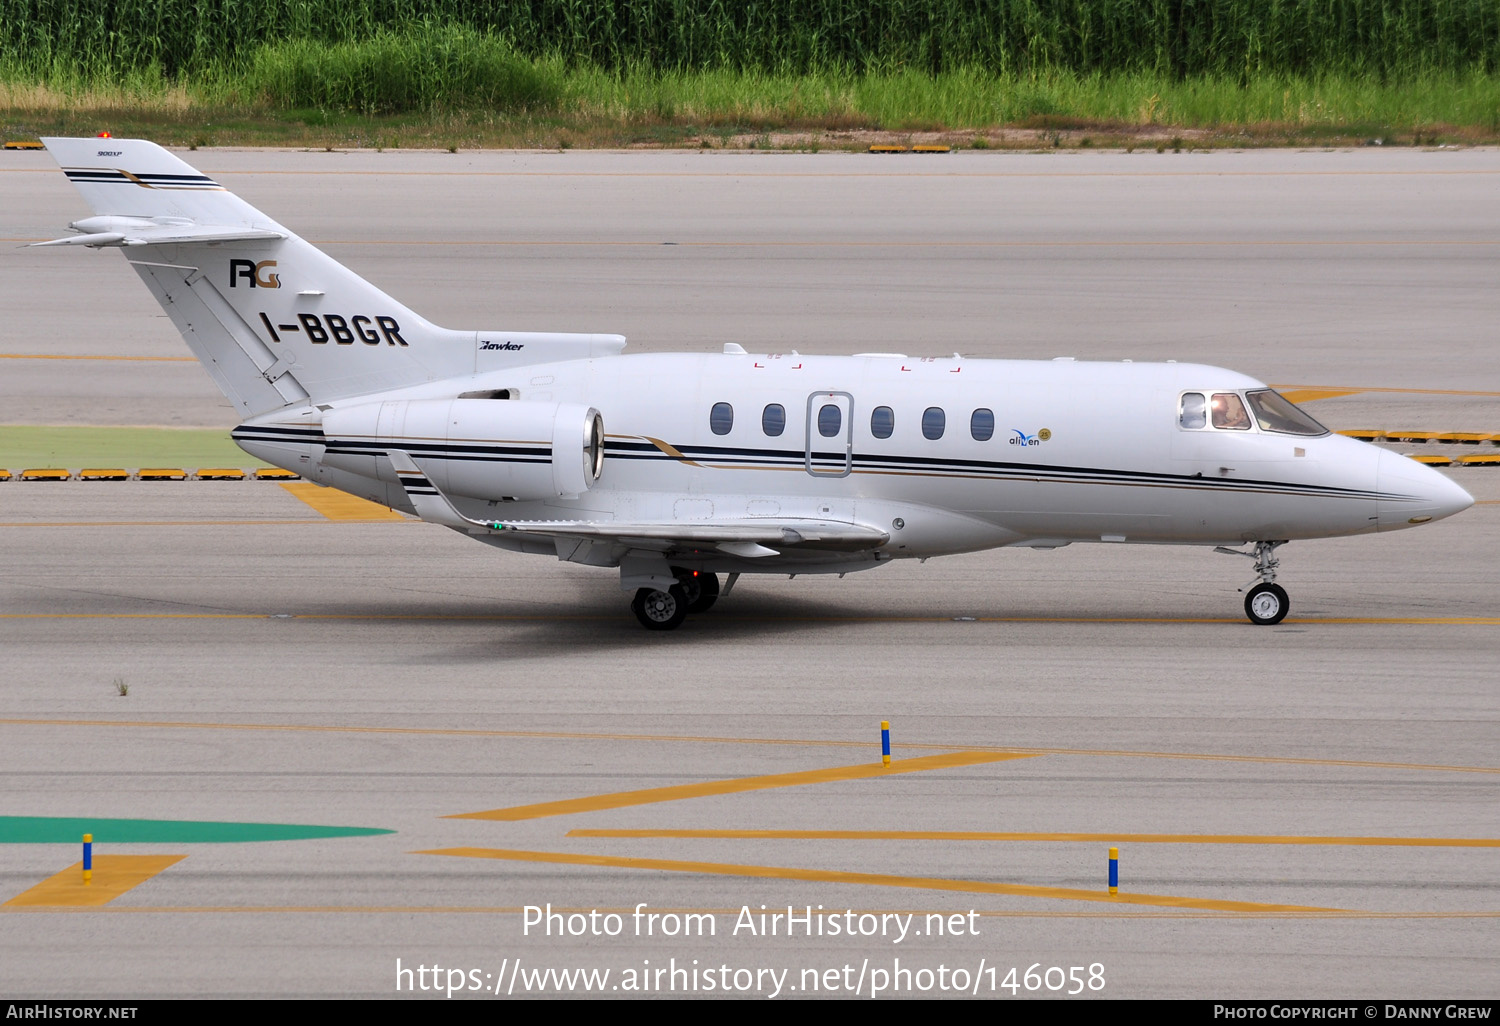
(259, 275)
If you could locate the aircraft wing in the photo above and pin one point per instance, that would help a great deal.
(750, 539)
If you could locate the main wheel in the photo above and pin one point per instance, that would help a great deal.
(701, 589)
(1267, 604)
(660, 610)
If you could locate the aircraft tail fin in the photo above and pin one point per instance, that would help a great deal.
(273, 319)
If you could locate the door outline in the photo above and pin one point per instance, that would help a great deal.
(845, 402)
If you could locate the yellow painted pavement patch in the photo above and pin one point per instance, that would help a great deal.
(871, 879)
(113, 876)
(651, 796)
(337, 505)
(657, 739)
(1311, 395)
(987, 835)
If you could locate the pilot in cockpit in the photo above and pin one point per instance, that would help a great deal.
(1229, 412)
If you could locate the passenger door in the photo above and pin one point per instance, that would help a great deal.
(830, 434)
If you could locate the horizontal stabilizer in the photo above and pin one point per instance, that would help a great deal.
(141, 231)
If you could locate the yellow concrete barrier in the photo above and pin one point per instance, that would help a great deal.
(4, 475)
(24, 146)
(1432, 461)
(887, 149)
(1412, 436)
(1462, 437)
(276, 474)
(1489, 460)
(161, 474)
(219, 474)
(104, 474)
(45, 474)
(930, 149)
(1363, 434)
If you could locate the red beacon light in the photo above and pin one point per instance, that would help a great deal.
(104, 135)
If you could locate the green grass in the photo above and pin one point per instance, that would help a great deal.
(570, 72)
(556, 106)
(1232, 38)
(75, 448)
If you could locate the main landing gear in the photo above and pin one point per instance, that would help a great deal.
(694, 592)
(1267, 602)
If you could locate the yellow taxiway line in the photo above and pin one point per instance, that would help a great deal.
(562, 735)
(739, 785)
(871, 879)
(988, 835)
(113, 875)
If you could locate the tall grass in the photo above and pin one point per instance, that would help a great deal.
(423, 69)
(1233, 39)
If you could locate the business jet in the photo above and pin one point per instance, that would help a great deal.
(679, 468)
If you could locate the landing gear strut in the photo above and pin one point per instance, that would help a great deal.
(1267, 601)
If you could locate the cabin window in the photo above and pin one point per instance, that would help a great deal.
(882, 422)
(982, 425)
(773, 420)
(1275, 412)
(1229, 412)
(830, 420)
(1194, 412)
(933, 422)
(721, 418)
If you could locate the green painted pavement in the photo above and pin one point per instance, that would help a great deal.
(70, 830)
(23, 446)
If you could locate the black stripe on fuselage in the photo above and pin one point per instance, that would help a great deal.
(872, 463)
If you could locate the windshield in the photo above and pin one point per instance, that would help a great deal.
(1273, 412)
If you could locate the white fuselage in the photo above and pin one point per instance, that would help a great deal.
(1075, 451)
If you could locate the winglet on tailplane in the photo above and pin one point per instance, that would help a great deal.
(274, 320)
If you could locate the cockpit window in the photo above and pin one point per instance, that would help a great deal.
(1194, 413)
(1274, 412)
(1229, 413)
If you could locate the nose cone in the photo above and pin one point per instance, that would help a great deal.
(1412, 494)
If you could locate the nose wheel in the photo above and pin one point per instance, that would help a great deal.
(1267, 602)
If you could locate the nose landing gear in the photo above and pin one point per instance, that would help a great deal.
(1267, 601)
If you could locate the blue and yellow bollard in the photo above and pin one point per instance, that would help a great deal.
(885, 742)
(1114, 870)
(88, 858)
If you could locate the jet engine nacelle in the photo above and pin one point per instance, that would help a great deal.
(481, 448)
